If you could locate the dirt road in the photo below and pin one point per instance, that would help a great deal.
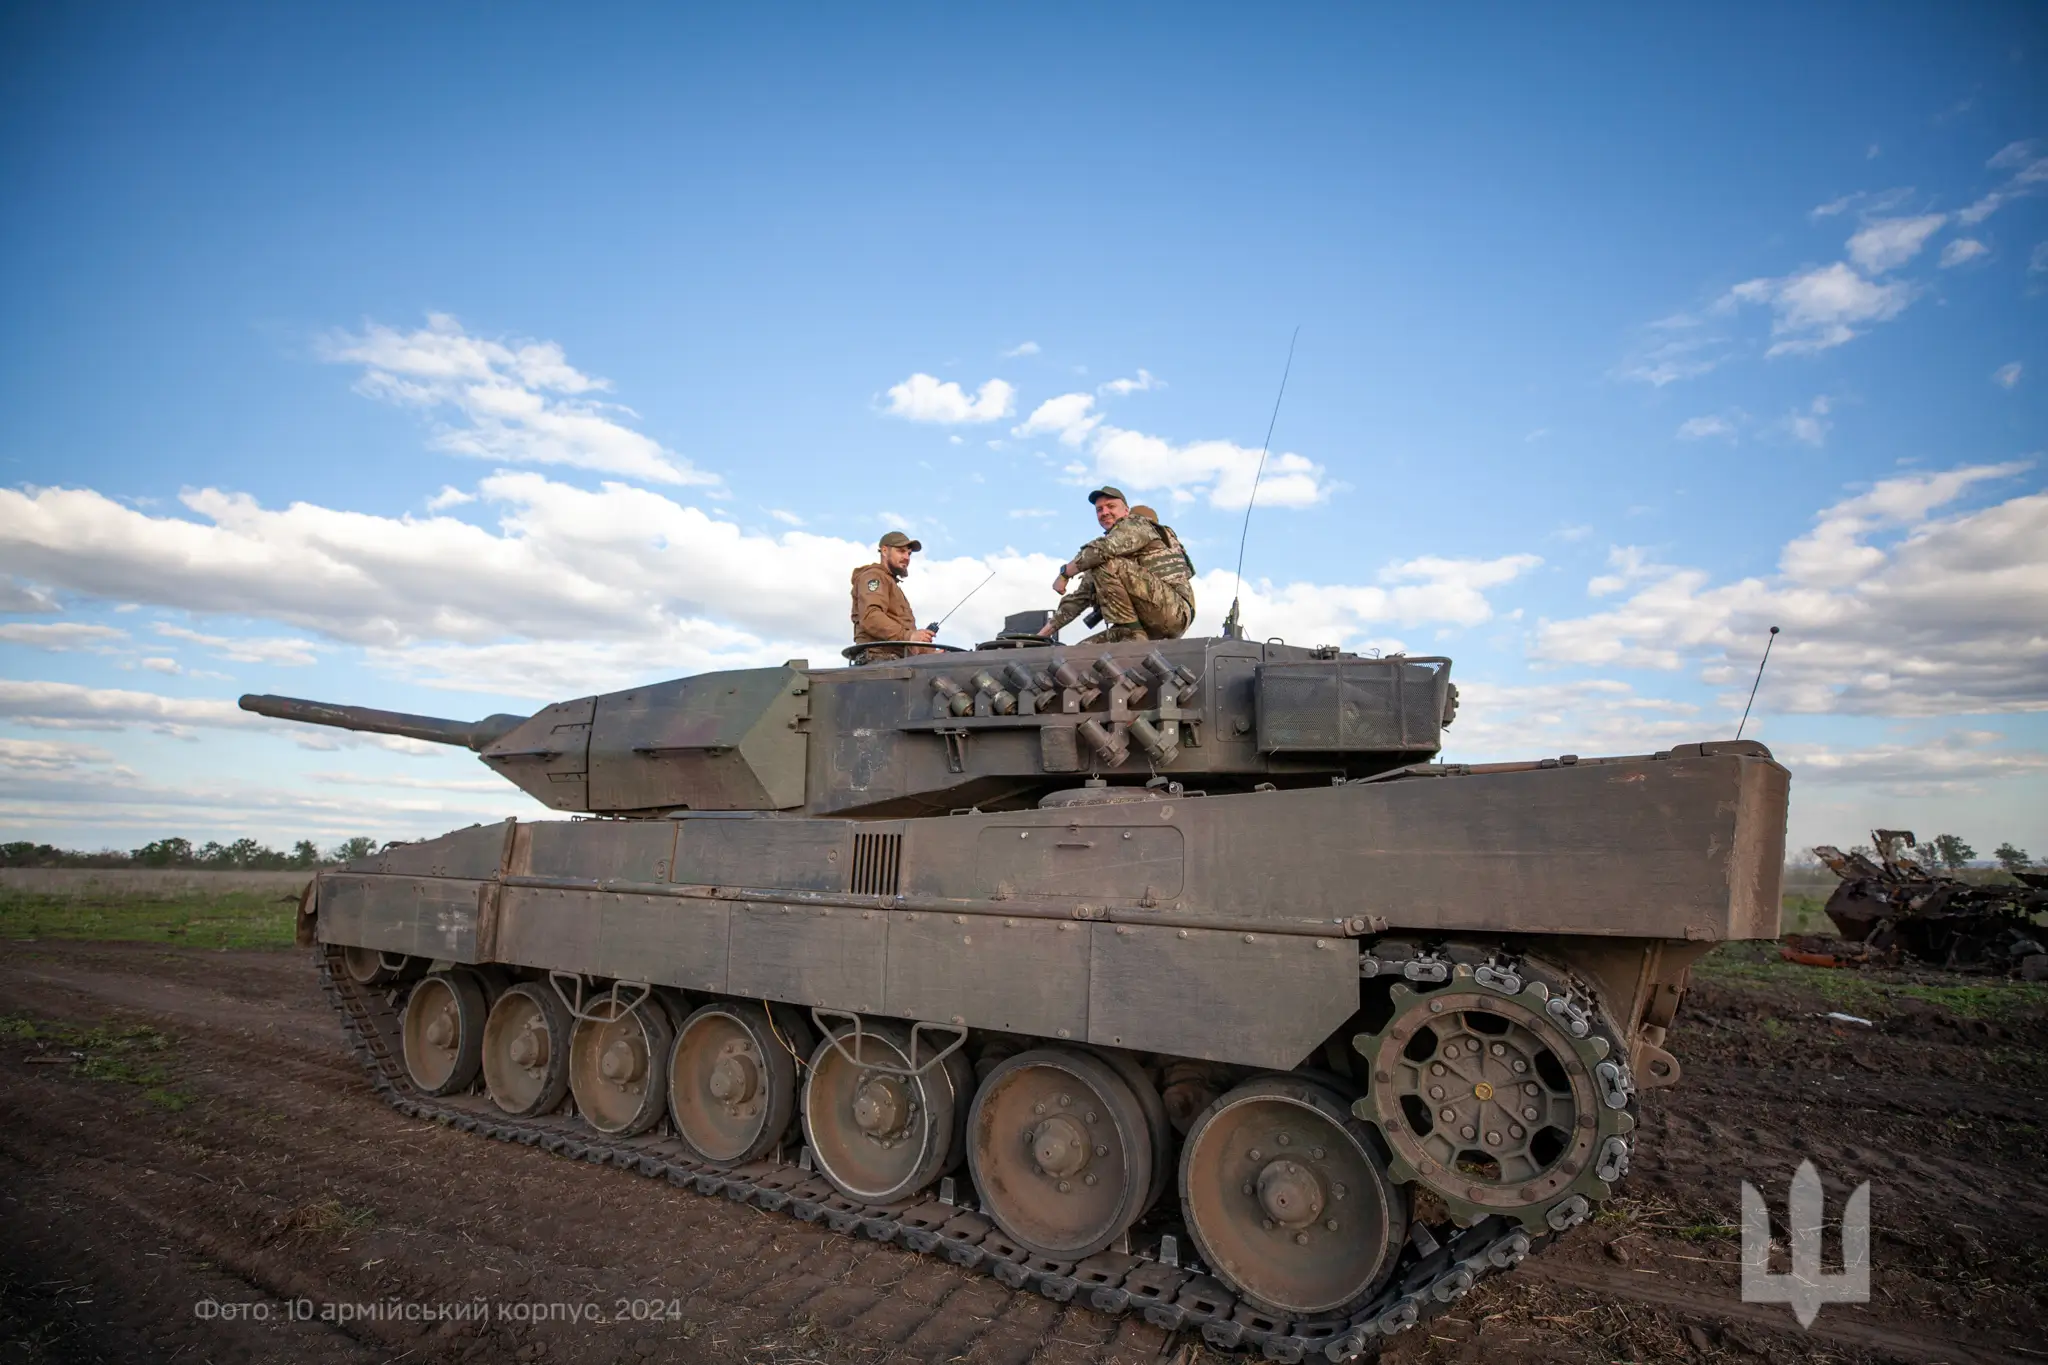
(183, 1191)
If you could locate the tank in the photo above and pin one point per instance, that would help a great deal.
(1177, 978)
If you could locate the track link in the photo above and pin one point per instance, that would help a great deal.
(1439, 1264)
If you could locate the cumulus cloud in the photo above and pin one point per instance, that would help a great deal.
(513, 402)
(1501, 721)
(1430, 591)
(1021, 348)
(1628, 564)
(449, 496)
(1962, 250)
(58, 635)
(1889, 243)
(923, 398)
(1700, 428)
(2007, 375)
(1890, 606)
(1821, 308)
(1146, 380)
(1223, 471)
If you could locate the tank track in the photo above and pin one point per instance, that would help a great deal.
(1439, 1264)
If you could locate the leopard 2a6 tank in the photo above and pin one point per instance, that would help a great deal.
(1165, 977)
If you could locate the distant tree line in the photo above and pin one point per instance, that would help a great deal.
(243, 855)
(1952, 852)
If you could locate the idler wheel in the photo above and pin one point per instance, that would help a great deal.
(526, 1051)
(618, 1069)
(365, 966)
(1062, 1152)
(732, 1086)
(1288, 1201)
(877, 1134)
(443, 1032)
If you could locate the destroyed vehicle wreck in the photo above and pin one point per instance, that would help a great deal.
(1893, 907)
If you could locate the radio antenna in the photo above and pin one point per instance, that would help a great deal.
(934, 626)
(1768, 642)
(1232, 628)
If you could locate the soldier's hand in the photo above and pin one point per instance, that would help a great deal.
(924, 637)
(1045, 629)
(1059, 585)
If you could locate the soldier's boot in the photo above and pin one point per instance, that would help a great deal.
(1116, 634)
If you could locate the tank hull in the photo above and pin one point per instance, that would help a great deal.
(1204, 969)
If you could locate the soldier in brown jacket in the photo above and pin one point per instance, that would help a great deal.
(1136, 574)
(880, 610)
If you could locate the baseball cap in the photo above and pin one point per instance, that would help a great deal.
(1106, 492)
(896, 538)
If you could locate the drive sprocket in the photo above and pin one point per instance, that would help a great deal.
(1499, 1084)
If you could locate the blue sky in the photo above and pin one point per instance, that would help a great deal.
(461, 362)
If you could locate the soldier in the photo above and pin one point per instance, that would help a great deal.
(1136, 574)
(880, 610)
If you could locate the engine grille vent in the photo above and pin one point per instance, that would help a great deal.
(877, 864)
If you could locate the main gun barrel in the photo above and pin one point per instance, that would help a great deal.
(470, 734)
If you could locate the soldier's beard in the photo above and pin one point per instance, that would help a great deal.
(899, 574)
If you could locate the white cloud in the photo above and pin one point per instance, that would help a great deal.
(1962, 249)
(275, 650)
(2007, 375)
(785, 517)
(1888, 608)
(1630, 563)
(49, 755)
(1068, 417)
(449, 496)
(69, 706)
(1960, 760)
(1589, 716)
(1033, 512)
(1667, 362)
(518, 402)
(1864, 202)
(1417, 592)
(1221, 470)
(57, 635)
(21, 597)
(1889, 243)
(923, 398)
(2029, 173)
(160, 664)
(1145, 381)
(1699, 428)
(1810, 426)
(1821, 308)
(1021, 348)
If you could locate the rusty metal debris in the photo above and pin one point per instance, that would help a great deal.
(1893, 907)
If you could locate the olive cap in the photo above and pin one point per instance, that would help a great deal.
(1106, 491)
(896, 538)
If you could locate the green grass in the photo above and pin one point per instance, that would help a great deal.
(1863, 993)
(123, 1056)
(1802, 915)
(206, 919)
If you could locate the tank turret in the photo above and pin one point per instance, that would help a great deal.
(995, 728)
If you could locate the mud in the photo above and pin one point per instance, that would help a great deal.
(189, 1218)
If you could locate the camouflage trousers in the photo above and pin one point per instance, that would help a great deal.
(1137, 605)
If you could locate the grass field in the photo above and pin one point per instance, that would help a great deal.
(226, 917)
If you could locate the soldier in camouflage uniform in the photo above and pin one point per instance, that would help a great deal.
(1136, 574)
